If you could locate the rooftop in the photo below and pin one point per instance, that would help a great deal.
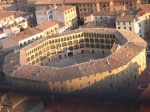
(5, 14)
(47, 25)
(39, 2)
(64, 8)
(19, 13)
(125, 18)
(105, 13)
(25, 34)
(131, 44)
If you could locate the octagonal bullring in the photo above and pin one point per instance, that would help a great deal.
(86, 60)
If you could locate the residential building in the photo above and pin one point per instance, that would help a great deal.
(66, 15)
(44, 14)
(13, 22)
(21, 39)
(92, 61)
(7, 5)
(51, 28)
(86, 7)
(24, 38)
(139, 23)
(5, 17)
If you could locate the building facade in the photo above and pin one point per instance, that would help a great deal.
(86, 7)
(44, 15)
(138, 23)
(66, 15)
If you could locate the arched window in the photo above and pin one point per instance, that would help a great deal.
(76, 47)
(92, 46)
(91, 40)
(75, 42)
(102, 46)
(32, 57)
(107, 41)
(70, 43)
(64, 44)
(37, 60)
(87, 45)
(28, 59)
(96, 40)
(101, 40)
(70, 48)
(107, 46)
(52, 46)
(86, 40)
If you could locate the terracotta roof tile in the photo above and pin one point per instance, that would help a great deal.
(65, 8)
(47, 25)
(26, 34)
(125, 18)
(131, 43)
(5, 14)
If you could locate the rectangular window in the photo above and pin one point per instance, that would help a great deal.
(61, 88)
(53, 89)
(111, 85)
(129, 23)
(139, 25)
(70, 81)
(60, 82)
(81, 85)
(110, 77)
(71, 87)
(130, 28)
(88, 82)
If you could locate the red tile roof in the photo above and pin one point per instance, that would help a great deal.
(25, 34)
(47, 25)
(5, 14)
(131, 43)
(65, 8)
(125, 18)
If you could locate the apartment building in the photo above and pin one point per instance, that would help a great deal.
(86, 7)
(66, 15)
(139, 23)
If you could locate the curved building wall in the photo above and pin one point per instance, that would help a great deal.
(117, 71)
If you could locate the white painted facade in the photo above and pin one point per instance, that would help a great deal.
(2, 35)
(10, 30)
(30, 39)
(88, 19)
(140, 25)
